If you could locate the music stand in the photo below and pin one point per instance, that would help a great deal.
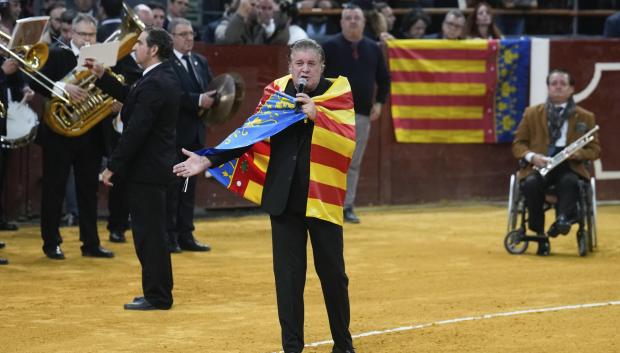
(28, 31)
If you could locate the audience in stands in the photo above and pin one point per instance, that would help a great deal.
(159, 14)
(414, 25)
(612, 26)
(452, 27)
(255, 23)
(481, 24)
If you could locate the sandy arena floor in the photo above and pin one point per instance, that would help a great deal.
(407, 267)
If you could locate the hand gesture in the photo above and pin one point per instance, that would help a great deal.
(307, 105)
(193, 165)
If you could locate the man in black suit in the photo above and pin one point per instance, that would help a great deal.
(110, 10)
(60, 153)
(286, 197)
(144, 157)
(194, 74)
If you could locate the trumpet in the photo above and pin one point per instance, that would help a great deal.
(568, 151)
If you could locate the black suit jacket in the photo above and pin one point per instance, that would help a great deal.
(59, 63)
(146, 151)
(190, 127)
(105, 29)
(288, 172)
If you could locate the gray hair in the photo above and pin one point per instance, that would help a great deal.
(81, 17)
(177, 21)
(455, 13)
(307, 44)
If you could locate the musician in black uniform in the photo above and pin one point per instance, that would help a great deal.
(194, 75)
(144, 157)
(60, 153)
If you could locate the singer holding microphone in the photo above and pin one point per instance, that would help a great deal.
(293, 205)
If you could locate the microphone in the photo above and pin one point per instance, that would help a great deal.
(301, 85)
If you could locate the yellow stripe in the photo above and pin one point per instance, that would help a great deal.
(261, 161)
(328, 175)
(254, 192)
(439, 136)
(439, 89)
(340, 86)
(332, 141)
(470, 44)
(339, 116)
(437, 112)
(426, 65)
(325, 211)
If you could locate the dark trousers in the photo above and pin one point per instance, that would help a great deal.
(4, 162)
(118, 207)
(147, 205)
(289, 237)
(567, 189)
(59, 154)
(180, 214)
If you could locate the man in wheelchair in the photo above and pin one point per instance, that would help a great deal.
(543, 132)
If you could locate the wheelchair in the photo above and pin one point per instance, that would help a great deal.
(517, 240)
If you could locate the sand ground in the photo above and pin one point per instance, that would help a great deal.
(407, 266)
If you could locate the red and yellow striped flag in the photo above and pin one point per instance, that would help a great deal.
(442, 91)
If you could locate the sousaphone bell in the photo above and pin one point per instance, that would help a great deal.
(229, 93)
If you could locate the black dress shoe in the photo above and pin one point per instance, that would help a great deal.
(350, 216)
(97, 252)
(117, 237)
(560, 226)
(174, 248)
(54, 253)
(544, 248)
(8, 226)
(193, 245)
(2, 244)
(137, 299)
(3, 261)
(141, 304)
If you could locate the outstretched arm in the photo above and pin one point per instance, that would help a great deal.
(193, 165)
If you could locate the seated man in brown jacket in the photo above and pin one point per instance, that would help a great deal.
(544, 131)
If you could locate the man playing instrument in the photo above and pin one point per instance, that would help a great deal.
(545, 130)
(83, 152)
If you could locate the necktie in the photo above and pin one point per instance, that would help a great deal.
(190, 70)
(355, 54)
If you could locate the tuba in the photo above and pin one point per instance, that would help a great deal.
(69, 118)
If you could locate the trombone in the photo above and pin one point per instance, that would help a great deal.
(32, 58)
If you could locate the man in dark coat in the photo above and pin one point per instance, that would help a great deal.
(144, 157)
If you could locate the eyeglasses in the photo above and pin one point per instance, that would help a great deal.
(453, 24)
(184, 34)
(86, 34)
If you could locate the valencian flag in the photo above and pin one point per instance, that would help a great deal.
(458, 91)
(333, 142)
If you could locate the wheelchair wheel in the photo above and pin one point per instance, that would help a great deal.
(582, 242)
(591, 215)
(513, 203)
(515, 243)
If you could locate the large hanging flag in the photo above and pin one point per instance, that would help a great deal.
(333, 142)
(446, 91)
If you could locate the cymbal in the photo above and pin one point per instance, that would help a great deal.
(229, 93)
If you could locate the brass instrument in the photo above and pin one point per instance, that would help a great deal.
(229, 93)
(2, 111)
(70, 118)
(568, 151)
(31, 56)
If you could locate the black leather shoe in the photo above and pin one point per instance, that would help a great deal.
(544, 248)
(2, 244)
(142, 304)
(560, 226)
(97, 252)
(117, 237)
(137, 299)
(8, 226)
(54, 253)
(3, 261)
(193, 245)
(350, 217)
(174, 248)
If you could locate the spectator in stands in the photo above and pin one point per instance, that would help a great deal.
(159, 14)
(388, 13)
(10, 14)
(176, 8)
(377, 28)
(612, 26)
(144, 13)
(452, 27)
(414, 24)
(208, 34)
(86, 7)
(52, 33)
(361, 60)
(514, 24)
(317, 27)
(110, 18)
(480, 23)
(545, 130)
(66, 21)
(261, 23)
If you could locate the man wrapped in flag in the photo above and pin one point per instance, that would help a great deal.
(298, 176)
